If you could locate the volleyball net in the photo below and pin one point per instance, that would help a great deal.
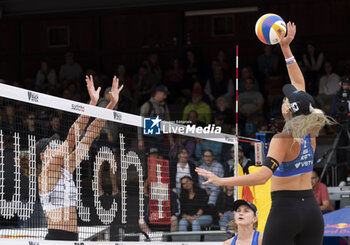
(100, 173)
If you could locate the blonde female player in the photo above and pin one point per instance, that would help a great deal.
(56, 164)
(295, 215)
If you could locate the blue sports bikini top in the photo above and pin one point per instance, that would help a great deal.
(254, 242)
(300, 165)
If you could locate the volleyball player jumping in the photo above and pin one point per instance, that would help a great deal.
(295, 215)
(56, 164)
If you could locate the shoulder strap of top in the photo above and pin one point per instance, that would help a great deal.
(255, 238)
(234, 240)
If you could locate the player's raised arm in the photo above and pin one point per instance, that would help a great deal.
(294, 72)
(82, 120)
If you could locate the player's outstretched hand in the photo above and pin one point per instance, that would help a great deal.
(115, 91)
(212, 178)
(93, 93)
(291, 30)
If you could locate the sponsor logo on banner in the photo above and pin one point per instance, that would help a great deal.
(151, 125)
(33, 243)
(33, 96)
(339, 226)
(159, 196)
(117, 116)
(77, 107)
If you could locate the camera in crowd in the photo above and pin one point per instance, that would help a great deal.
(343, 100)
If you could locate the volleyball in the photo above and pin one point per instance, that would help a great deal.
(269, 28)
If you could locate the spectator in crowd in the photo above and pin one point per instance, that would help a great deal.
(321, 193)
(242, 160)
(224, 106)
(313, 60)
(155, 72)
(125, 79)
(193, 119)
(250, 105)
(183, 141)
(126, 102)
(74, 91)
(244, 225)
(247, 73)
(193, 204)
(339, 96)
(71, 70)
(143, 85)
(46, 77)
(145, 224)
(219, 121)
(174, 78)
(182, 168)
(268, 62)
(55, 126)
(192, 70)
(215, 167)
(31, 127)
(10, 121)
(221, 58)
(107, 181)
(198, 105)
(224, 206)
(155, 106)
(202, 145)
(218, 84)
(328, 87)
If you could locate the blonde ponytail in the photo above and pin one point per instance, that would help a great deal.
(302, 125)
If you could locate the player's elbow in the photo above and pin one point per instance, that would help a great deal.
(263, 177)
(262, 180)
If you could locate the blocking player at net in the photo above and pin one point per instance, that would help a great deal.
(56, 162)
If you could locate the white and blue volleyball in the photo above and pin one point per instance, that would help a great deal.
(269, 28)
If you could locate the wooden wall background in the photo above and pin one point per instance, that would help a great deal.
(103, 39)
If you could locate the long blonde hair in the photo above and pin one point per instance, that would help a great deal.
(302, 125)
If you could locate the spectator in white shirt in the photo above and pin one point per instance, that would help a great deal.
(182, 168)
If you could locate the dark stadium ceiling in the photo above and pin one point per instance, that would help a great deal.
(24, 7)
(33, 7)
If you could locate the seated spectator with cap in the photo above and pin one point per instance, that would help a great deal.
(198, 105)
(244, 225)
(321, 193)
(155, 106)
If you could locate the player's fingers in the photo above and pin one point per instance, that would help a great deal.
(206, 182)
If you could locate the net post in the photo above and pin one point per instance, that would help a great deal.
(235, 145)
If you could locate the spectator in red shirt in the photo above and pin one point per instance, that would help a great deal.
(321, 193)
